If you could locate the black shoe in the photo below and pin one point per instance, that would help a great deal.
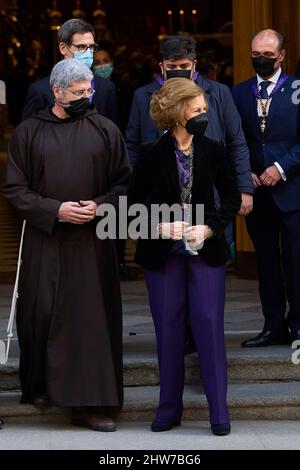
(160, 426)
(267, 338)
(125, 273)
(1, 423)
(295, 336)
(221, 429)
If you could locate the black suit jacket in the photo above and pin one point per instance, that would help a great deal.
(155, 180)
(40, 96)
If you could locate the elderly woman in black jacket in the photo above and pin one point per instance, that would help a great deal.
(184, 261)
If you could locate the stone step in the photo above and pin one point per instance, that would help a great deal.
(246, 401)
(273, 364)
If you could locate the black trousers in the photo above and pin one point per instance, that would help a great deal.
(276, 238)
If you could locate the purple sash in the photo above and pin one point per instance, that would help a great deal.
(280, 82)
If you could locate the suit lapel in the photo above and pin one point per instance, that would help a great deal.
(278, 98)
(201, 165)
(251, 106)
(168, 161)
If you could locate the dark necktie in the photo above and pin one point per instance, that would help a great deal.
(263, 89)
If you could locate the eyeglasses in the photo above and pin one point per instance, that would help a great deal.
(80, 93)
(85, 47)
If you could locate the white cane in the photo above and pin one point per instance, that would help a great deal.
(15, 296)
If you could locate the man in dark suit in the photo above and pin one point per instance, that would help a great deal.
(270, 114)
(177, 58)
(76, 39)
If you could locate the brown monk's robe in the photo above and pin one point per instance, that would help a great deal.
(69, 316)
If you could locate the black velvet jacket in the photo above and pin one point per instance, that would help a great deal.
(155, 180)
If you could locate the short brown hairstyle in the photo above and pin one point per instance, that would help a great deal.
(71, 27)
(169, 103)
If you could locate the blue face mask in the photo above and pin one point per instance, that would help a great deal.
(85, 58)
(103, 71)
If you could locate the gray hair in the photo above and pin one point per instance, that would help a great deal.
(67, 71)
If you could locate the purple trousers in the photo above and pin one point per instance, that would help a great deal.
(186, 286)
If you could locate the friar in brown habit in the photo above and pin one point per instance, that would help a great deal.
(62, 164)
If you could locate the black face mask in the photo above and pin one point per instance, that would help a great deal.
(264, 66)
(197, 125)
(77, 108)
(178, 73)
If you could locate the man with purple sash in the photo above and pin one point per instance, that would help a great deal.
(269, 107)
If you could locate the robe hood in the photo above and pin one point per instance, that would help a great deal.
(47, 115)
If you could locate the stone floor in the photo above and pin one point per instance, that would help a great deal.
(245, 435)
